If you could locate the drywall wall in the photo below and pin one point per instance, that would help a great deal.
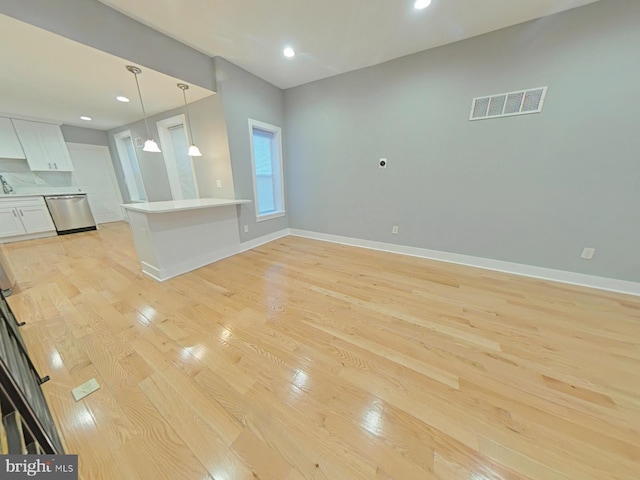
(88, 136)
(246, 96)
(209, 133)
(97, 25)
(533, 189)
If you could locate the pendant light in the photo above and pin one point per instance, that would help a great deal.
(193, 150)
(150, 145)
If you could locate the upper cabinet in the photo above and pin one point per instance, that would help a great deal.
(9, 144)
(43, 146)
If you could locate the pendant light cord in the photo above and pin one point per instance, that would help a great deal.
(146, 122)
(186, 106)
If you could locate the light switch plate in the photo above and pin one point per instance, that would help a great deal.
(219, 183)
(588, 253)
(85, 389)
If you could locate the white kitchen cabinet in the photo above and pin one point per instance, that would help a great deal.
(43, 146)
(36, 219)
(24, 217)
(9, 144)
(10, 223)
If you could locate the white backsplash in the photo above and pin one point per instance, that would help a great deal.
(17, 174)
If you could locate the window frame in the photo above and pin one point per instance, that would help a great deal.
(127, 170)
(277, 167)
(169, 158)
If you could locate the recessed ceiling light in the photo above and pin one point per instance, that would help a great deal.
(289, 52)
(120, 98)
(88, 119)
(420, 4)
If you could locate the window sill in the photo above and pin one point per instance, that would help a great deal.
(269, 216)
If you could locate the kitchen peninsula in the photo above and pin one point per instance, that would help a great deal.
(177, 236)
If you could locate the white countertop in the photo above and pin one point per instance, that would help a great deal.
(181, 205)
(69, 191)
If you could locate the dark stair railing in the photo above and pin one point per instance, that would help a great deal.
(27, 425)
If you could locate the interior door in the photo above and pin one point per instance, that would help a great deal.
(94, 173)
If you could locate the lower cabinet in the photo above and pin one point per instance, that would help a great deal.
(10, 224)
(24, 217)
(36, 219)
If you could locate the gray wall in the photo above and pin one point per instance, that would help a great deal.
(246, 96)
(97, 25)
(209, 133)
(88, 136)
(534, 189)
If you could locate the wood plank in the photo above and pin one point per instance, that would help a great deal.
(303, 359)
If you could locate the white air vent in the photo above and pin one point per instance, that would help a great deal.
(508, 104)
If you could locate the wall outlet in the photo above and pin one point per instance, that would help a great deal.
(588, 253)
(219, 183)
(246, 228)
(382, 163)
(394, 230)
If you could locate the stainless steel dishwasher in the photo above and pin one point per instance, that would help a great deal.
(70, 213)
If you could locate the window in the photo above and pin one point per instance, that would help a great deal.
(266, 159)
(173, 138)
(130, 167)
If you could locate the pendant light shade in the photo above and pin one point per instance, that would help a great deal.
(150, 145)
(193, 150)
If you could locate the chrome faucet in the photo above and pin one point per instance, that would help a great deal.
(6, 188)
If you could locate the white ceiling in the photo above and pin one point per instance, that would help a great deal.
(49, 77)
(330, 36)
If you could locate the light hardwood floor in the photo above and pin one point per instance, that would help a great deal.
(308, 360)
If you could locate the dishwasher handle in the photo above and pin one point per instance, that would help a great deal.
(64, 197)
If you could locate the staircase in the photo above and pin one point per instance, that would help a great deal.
(27, 426)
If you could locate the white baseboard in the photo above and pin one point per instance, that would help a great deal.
(28, 236)
(601, 283)
(162, 274)
(152, 271)
(256, 242)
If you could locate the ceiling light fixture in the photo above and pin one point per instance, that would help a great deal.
(150, 145)
(289, 52)
(193, 150)
(420, 4)
(120, 98)
(86, 119)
